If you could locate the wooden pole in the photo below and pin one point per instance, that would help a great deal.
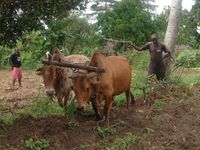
(117, 41)
(78, 66)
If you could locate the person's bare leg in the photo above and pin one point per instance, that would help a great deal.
(20, 82)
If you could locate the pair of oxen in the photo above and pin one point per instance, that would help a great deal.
(89, 87)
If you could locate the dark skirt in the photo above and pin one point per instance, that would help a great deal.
(158, 69)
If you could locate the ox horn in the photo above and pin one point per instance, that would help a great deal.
(91, 75)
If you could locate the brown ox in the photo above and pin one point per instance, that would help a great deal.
(56, 79)
(115, 80)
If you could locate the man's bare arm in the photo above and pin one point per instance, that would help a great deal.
(146, 46)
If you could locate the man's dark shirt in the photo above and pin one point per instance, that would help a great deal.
(15, 60)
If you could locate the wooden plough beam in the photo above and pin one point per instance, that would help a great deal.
(76, 66)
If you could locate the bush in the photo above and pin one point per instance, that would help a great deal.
(190, 58)
(122, 143)
(105, 132)
(4, 57)
(36, 144)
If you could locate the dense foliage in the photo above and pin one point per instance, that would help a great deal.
(18, 16)
(190, 58)
(72, 34)
(128, 20)
(39, 26)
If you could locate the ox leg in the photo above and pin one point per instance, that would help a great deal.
(128, 97)
(95, 107)
(133, 101)
(107, 107)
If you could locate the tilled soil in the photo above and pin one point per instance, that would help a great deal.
(174, 126)
(16, 97)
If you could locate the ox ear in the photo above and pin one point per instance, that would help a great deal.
(39, 71)
(91, 75)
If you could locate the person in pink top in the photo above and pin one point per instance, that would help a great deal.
(15, 62)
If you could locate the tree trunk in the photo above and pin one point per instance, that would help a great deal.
(170, 36)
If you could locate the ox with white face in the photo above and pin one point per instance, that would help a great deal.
(56, 79)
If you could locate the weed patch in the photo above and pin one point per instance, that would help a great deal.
(73, 124)
(149, 130)
(159, 104)
(36, 144)
(42, 107)
(122, 143)
(104, 132)
(84, 146)
(71, 109)
(119, 100)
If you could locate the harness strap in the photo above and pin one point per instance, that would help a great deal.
(95, 89)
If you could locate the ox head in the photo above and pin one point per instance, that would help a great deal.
(82, 86)
(50, 74)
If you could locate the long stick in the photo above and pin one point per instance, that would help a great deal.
(117, 41)
(70, 65)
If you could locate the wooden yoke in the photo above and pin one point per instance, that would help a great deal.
(77, 66)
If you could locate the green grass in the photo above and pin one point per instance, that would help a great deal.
(36, 144)
(186, 80)
(190, 58)
(191, 79)
(119, 100)
(122, 143)
(84, 146)
(42, 107)
(105, 132)
(149, 130)
(71, 109)
(159, 104)
(73, 124)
